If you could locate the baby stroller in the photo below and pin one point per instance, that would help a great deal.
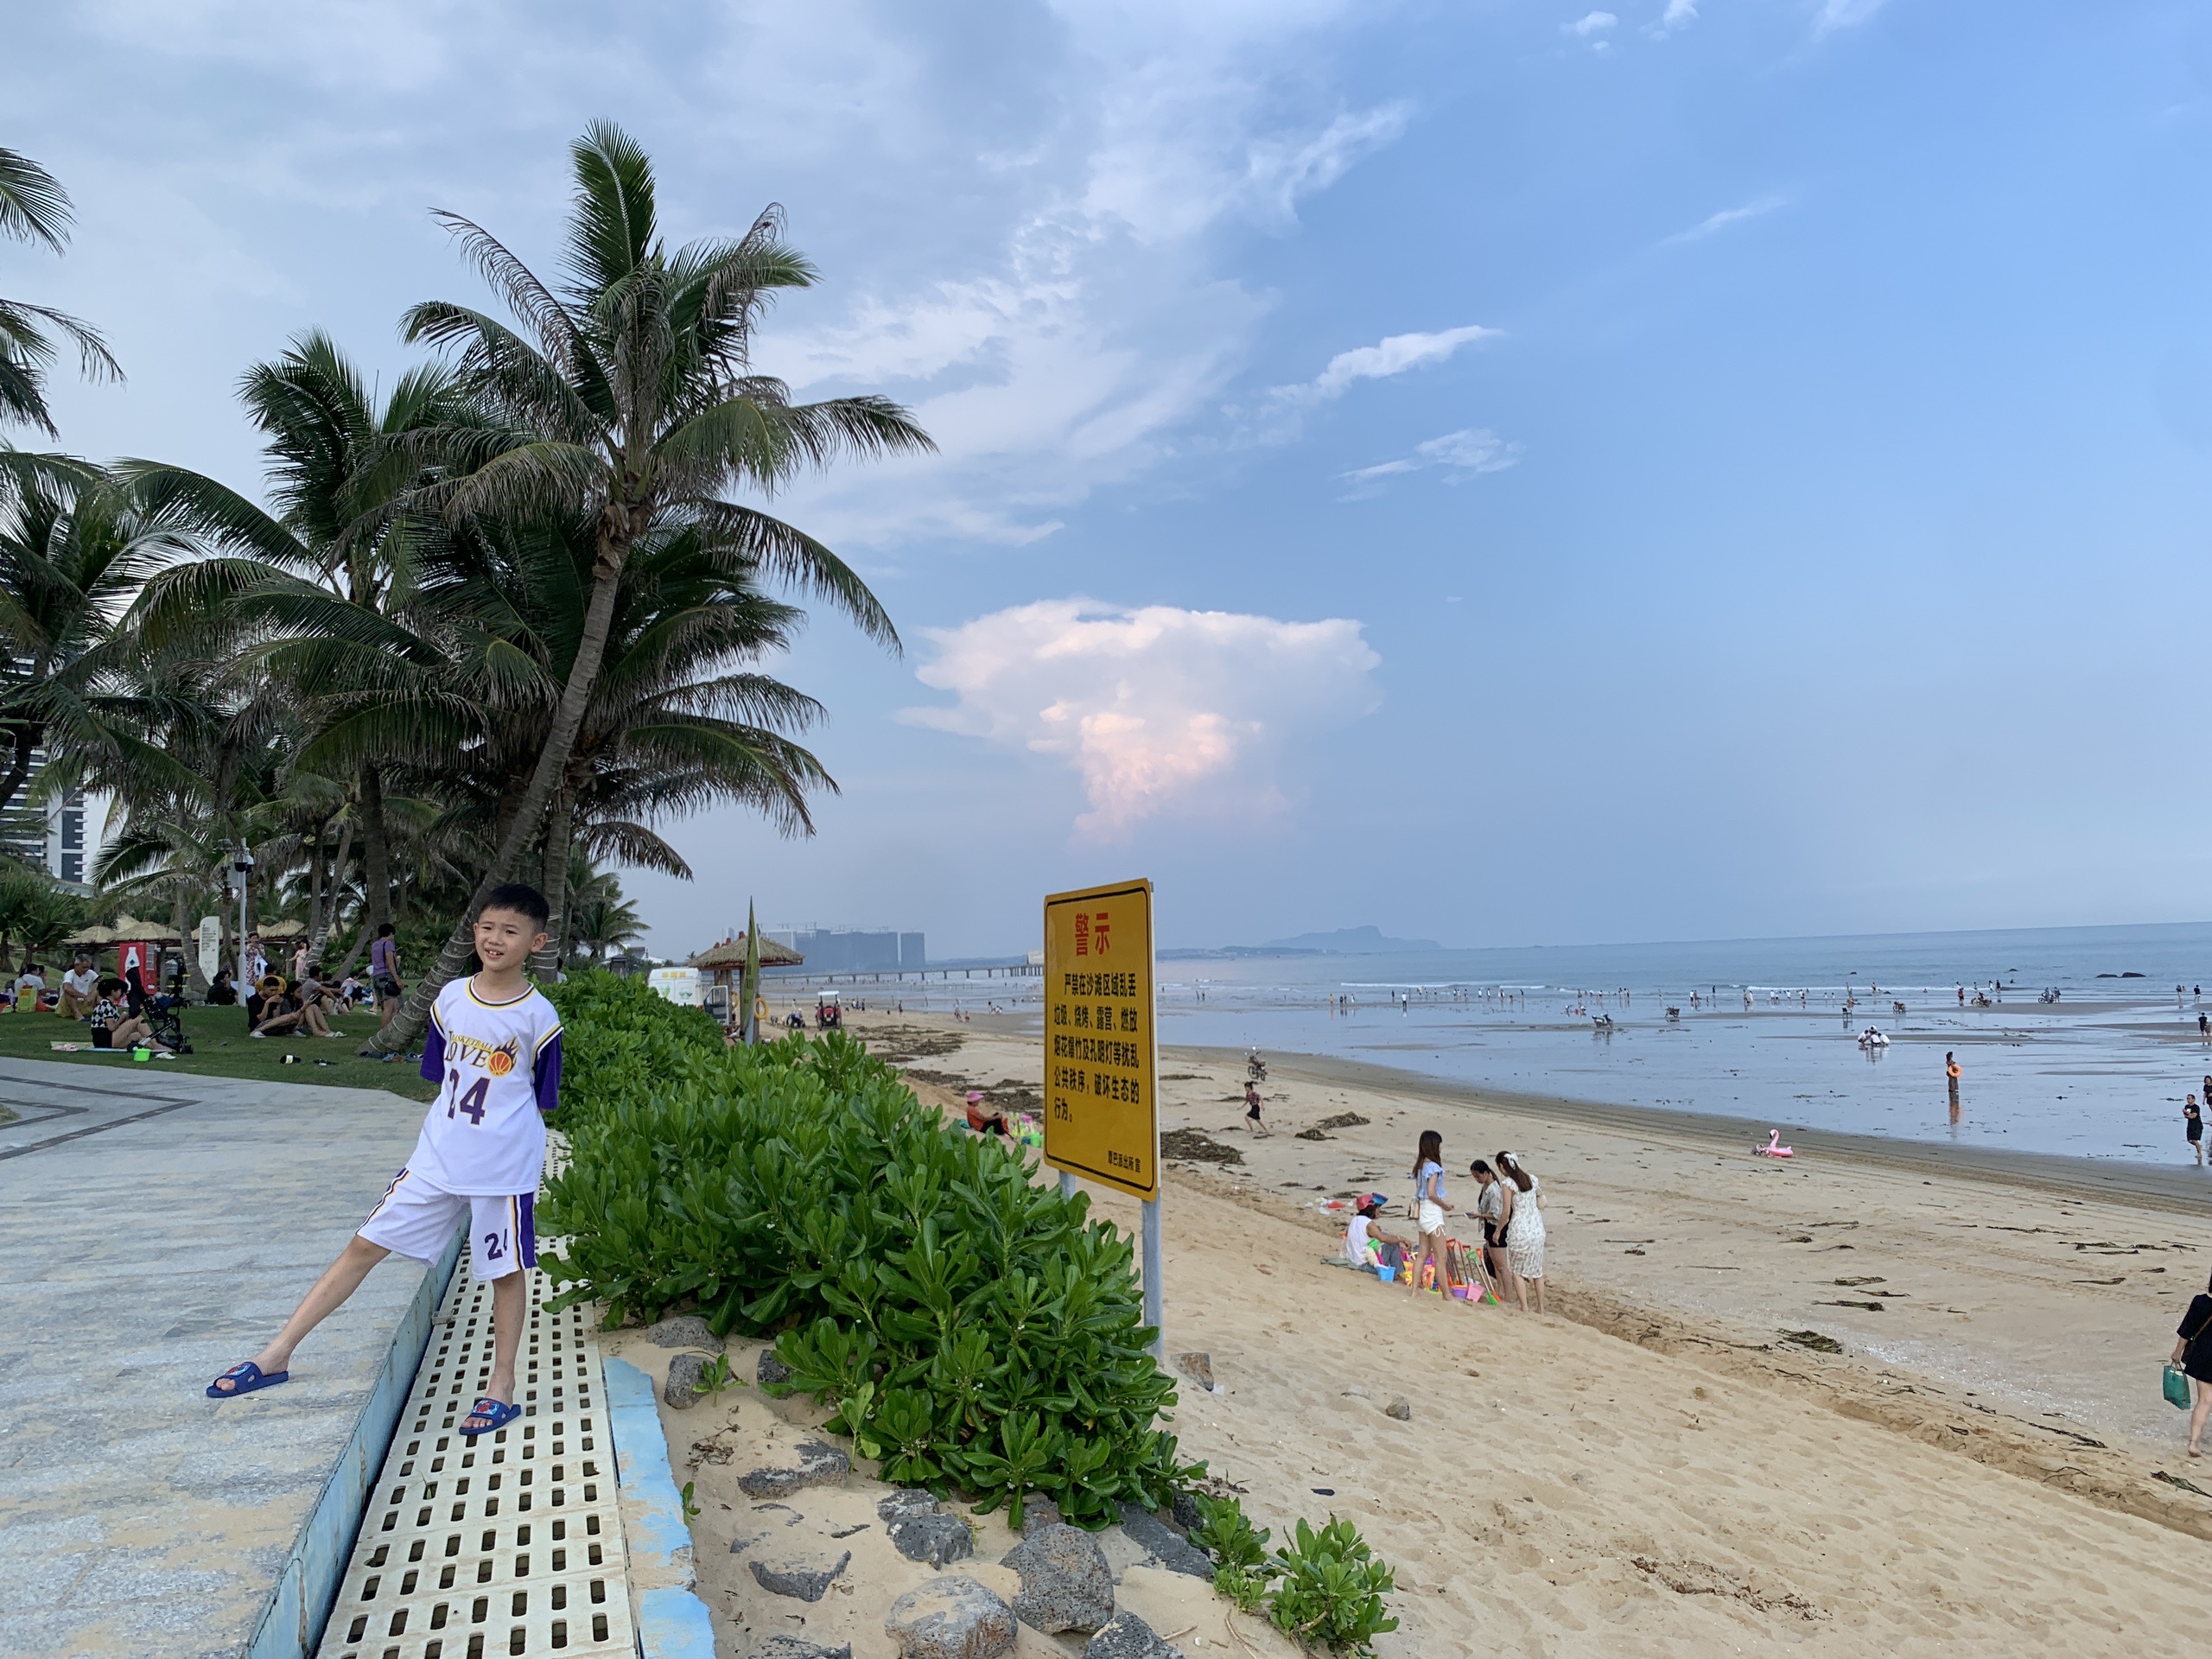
(165, 1023)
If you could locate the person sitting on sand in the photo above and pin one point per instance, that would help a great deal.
(2193, 1353)
(1252, 1110)
(983, 1121)
(1362, 1232)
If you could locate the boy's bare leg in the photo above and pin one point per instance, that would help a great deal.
(339, 1280)
(510, 1312)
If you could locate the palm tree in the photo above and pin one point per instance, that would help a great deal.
(34, 207)
(632, 391)
(336, 559)
(73, 552)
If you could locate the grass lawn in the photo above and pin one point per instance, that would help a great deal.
(221, 1048)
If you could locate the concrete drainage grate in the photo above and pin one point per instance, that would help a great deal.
(512, 1545)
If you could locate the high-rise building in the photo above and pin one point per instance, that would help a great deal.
(852, 950)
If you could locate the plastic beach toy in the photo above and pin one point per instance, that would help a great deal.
(1774, 1148)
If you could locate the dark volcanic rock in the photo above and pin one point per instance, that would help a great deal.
(815, 1463)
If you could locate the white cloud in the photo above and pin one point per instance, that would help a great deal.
(1680, 14)
(1394, 355)
(1597, 22)
(1157, 709)
(1833, 14)
(1465, 453)
(1724, 218)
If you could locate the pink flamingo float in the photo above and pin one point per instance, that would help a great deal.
(1774, 1148)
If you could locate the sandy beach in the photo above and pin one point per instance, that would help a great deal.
(1657, 1466)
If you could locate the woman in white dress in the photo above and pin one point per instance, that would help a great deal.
(1524, 1232)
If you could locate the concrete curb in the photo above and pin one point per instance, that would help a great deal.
(292, 1623)
(672, 1621)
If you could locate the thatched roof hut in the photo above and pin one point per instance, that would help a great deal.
(728, 958)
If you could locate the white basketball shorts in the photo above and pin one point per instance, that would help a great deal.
(416, 1219)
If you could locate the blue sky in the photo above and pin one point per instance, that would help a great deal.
(1510, 472)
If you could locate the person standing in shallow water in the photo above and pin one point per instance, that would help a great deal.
(2192, 1122)
(1952, 1072)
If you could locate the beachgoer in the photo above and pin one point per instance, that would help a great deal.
(257, 960)
(2204, 1026)
(2192, 1123)
(1430, 1207)
(30, 985)
(80, 989)
(982, 1121)
(1524, 1231)
(105, 1014)
(2193, 1353)
(383, 974)
(1362, 1228)
(221, 993)
(1952, 1072)
(494, 1046)
(1252, 1110)
(1493, 1202)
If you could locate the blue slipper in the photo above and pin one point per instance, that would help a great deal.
(244, 1379)
(496, 1414)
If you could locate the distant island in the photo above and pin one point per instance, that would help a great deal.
(1345, 942)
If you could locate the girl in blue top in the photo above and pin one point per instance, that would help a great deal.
(1429, 1206)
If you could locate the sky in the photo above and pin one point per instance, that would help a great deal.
(1505, 472)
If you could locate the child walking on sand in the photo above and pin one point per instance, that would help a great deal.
(494, 1047)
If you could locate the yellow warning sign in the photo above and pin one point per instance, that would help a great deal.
(1101, 1068)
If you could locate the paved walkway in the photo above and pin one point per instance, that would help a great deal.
(155, 1229)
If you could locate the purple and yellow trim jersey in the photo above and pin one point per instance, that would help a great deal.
(498, 1066)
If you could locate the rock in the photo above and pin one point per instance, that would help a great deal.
(806, 1580)
(1128, 1638)
(936, 1538)
(1198, 1368)
(1065, 1582)
(685, 1330)
(951, 1617)
(1164, 1544)
(816, 1463)
(905, 1500)
(770, 1372)
(1186, 1511)
(682, 1390)
(789, 1647)
(1037, 1514)
(1399, 1408)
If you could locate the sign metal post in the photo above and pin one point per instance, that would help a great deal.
(1102, 1059)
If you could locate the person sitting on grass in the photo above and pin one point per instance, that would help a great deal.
(122, 1029)
(493, 1047)
(221, 993)
(316, 1003)
(268, 1012)
(30, 985)
(80, 989)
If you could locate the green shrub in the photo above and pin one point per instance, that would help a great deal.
(1241, 1567)
(973, 1331)
(1332, 1590)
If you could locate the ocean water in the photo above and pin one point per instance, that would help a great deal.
(2100, 1073)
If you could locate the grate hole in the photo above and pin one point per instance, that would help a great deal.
(598, 1589)
(360, 1630)
(559, 1632)
(599, 1627)
(517, 1640)
(476, 1646)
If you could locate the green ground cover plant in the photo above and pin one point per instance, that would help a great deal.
(974, 1332)
(1323, 1588)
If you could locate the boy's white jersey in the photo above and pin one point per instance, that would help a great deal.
(498, 1066)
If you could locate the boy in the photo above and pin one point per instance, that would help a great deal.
(495, 1045)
